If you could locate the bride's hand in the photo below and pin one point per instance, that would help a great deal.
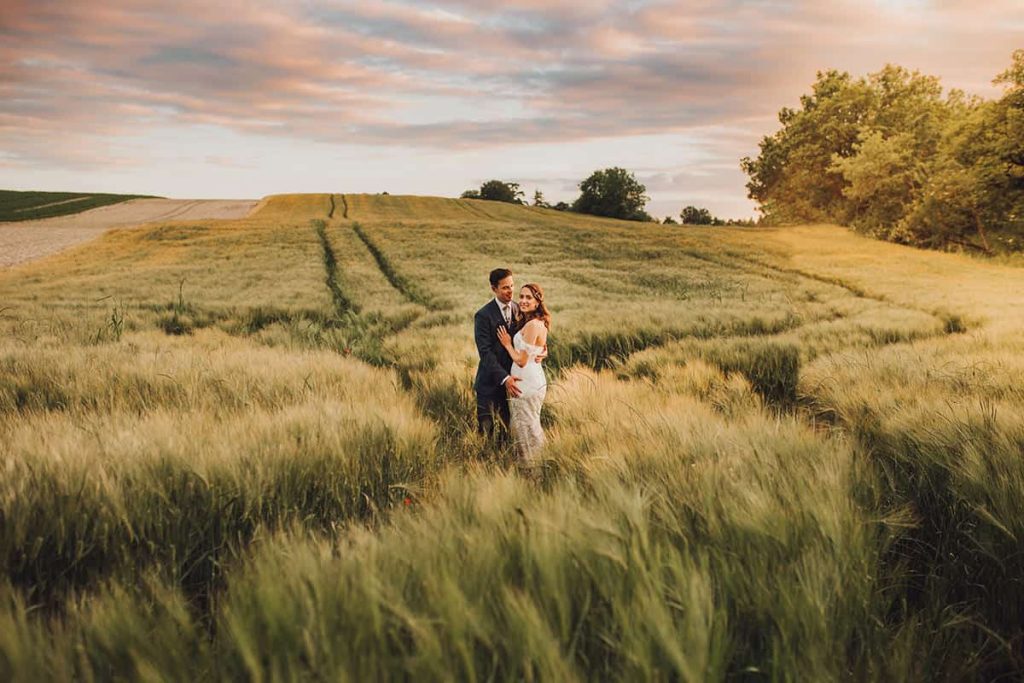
(542, 355)
(503, 337)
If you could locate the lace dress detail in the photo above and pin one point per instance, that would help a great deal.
(527, 435)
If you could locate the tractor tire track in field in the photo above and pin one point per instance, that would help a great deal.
(778, 272)
(342, 303)
(330, 214)
(472, 208)
(954, 324)
(175, 212)
(344, 206)
(397, 280)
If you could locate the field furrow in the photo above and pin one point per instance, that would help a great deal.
(248, 449)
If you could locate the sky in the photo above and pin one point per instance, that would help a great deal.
(232, 99)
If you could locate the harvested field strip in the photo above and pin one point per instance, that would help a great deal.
(26, 206)
(177, 211)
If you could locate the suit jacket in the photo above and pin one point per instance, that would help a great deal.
(495, 363)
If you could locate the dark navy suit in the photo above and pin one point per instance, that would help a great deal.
(495, 365)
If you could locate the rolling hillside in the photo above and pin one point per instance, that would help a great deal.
(246, 449)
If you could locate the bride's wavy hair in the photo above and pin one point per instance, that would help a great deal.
(541, 312)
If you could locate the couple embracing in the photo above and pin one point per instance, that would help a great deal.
(511, 339)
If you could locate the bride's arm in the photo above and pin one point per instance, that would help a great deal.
(520, 358)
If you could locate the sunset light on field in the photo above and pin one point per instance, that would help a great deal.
(532, 340)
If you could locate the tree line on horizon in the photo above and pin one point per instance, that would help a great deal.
(610, 192)
(892, 156)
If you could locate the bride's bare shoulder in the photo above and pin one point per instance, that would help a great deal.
(535, 329)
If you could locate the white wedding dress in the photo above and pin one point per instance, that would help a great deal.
(524, 411)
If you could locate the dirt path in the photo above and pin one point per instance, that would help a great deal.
(27, 240)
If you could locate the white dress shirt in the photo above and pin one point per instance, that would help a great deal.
(508, 319)
(503, 307)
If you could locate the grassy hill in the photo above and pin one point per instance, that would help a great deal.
(246, 449)
(27, 206)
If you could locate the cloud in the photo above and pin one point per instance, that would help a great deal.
(81, 82)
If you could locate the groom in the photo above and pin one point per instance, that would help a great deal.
(494, 385)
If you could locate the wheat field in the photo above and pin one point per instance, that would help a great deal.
(246, 449)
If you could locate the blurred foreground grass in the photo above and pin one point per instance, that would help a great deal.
(246, 449)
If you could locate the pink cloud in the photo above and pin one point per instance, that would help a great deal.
(342, 71)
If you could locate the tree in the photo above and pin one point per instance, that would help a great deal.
(974, 193)
(470, 194)
(883, 178)
(562, 206)
(669, 221)
(791, 179)
(538, 200)
(799, 174)
(613, 192)
(971, 189)
(892, 156)
(691, 215)
(500, 191)
(951, 210)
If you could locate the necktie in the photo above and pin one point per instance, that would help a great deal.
(505, 312)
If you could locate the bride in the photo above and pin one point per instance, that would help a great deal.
(528, 343)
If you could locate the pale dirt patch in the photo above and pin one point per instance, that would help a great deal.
(27, 240)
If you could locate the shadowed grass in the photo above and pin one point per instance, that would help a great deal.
(177, 464)
(292, 486)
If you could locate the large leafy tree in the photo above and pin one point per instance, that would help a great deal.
(893, 157)
(977, 185)
(800, 173)
(500, 191)
(792, 179)
(613, 192)
(883, 177)
(497, 191)
(691, 215)
(895, 150)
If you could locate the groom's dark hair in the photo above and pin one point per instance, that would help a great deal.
(499, 274)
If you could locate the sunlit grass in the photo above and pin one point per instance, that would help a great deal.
(773, 453)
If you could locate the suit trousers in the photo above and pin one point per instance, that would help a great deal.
(490, 406)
